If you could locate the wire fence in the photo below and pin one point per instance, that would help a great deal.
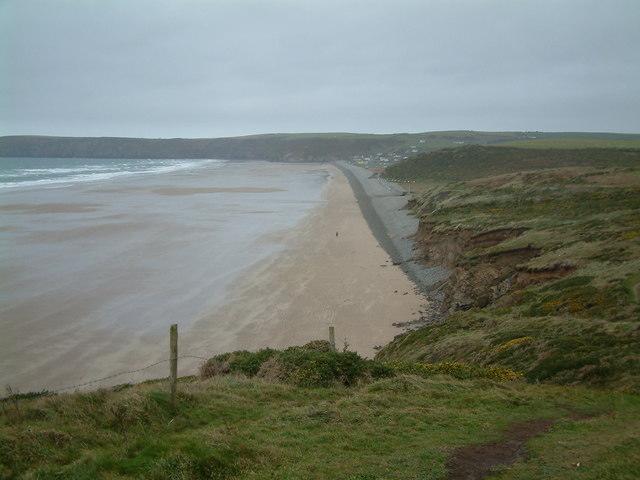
(328, 314)
(129, 372)
(101, 379)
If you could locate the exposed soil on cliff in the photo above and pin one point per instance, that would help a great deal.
(477, 278)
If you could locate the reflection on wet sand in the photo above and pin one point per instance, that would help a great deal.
(196, 190)
(45, 208)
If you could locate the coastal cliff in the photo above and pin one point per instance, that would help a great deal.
(543, 263)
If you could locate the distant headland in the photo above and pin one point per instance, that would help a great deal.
(371, 149)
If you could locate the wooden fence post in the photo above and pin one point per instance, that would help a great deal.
(332, 337)
(173, 361)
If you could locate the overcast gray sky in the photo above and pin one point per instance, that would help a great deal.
(158, 68)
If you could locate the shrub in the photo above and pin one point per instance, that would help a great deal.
(584, 301)
(214, 367)
(318, 345)
(456, 370)
(508, 345)
(249, 362)
(312, 365)
(313, 368)
(380, 370)
(242, 361)
(272, 370)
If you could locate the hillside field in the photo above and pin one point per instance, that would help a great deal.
(370, 149)
(544, 250)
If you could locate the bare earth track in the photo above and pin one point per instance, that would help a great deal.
(475, 462)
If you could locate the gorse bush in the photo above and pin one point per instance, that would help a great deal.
(311, 368)
(312, 365)
(514, 342)
(456, 370)
(316, 365)
(246, 362)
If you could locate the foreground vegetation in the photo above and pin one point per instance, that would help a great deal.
(545, 262)
(384, 425)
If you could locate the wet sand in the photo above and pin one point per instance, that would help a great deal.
(49, 208)
(333, 271)
(92, 274)
(195, 191)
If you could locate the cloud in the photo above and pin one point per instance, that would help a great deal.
(195, 68)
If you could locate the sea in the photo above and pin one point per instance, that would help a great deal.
(99, 257)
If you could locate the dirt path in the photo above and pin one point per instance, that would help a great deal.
(475, 462)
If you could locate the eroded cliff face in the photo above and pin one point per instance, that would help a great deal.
(479, 275)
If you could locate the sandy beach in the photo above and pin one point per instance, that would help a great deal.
(98, 272)
(333, 271)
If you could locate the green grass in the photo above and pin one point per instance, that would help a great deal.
(404, 427)
(476, 161)
(575, 142)
(565, 278)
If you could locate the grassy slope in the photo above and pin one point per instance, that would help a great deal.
(575, 142)
(232, 427)
(557, 297)
(472, 162)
